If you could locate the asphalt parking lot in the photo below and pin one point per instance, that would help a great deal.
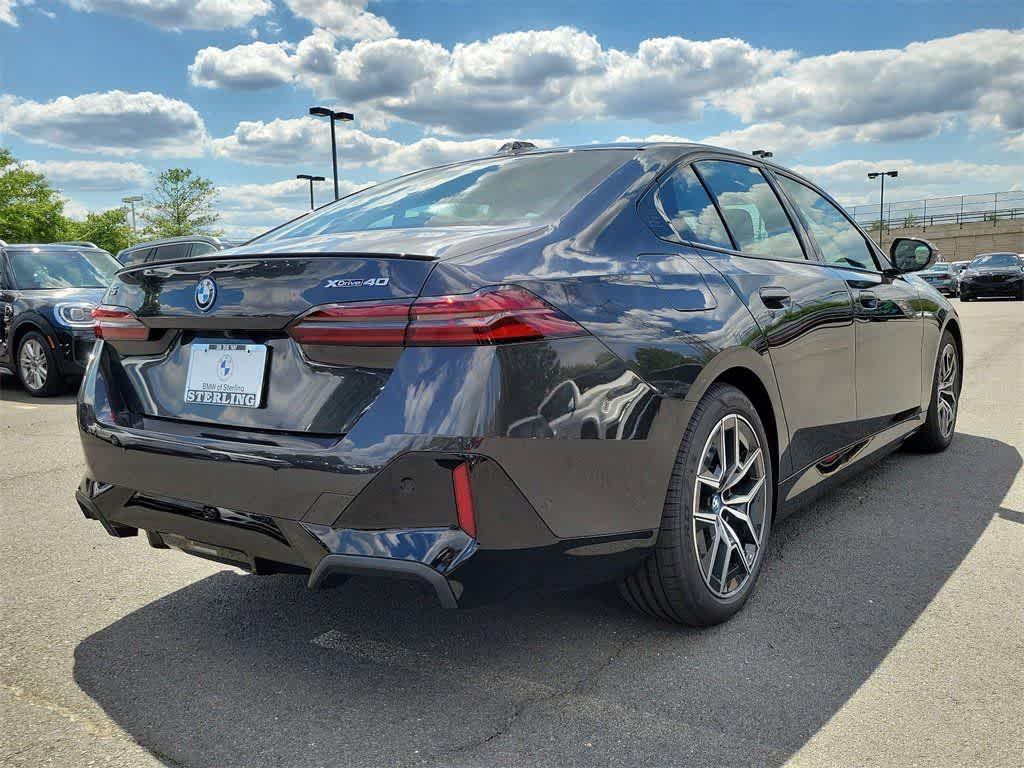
(887, 629)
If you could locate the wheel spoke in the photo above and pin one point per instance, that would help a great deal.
(735, 544)
(746, 498)
(722, 579)
(744, 518)
(743, 469)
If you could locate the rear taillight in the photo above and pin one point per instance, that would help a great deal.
(489, 316)
(368, 323)
(118, 324)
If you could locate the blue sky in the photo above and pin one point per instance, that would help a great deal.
(100, 94)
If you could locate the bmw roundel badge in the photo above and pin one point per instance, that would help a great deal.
(206, 293)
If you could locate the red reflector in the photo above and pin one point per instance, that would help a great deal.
(489, 316)
(464, 499)
(366, 323)
(118, 323)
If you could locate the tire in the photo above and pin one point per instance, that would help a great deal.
(37, 366)
(940, 424)
(678, 581)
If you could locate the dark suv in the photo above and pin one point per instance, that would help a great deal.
(173, 249)
(47, 293)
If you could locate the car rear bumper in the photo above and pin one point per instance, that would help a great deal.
(517, 552)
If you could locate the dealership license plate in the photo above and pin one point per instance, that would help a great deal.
(226, 374)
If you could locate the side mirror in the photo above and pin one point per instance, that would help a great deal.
(908, 254)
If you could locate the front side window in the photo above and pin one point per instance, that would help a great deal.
(44, 269)
(525, 189)
(753, 214)
(841, 243)
(684, 203)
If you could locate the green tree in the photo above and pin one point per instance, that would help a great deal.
(109, 229)
(31, 211)
(181, 204)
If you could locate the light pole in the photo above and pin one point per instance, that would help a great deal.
(881, 197)
(132, 200)
(764, 154)
(345, 117)
(311, 179)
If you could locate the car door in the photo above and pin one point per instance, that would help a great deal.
(888, 324)
(803, 306)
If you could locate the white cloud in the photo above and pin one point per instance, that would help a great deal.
(672, 78)
(245, 67)
(91, 175)
(7, 12)
(512, 80)
(348, 19)
(896, 90)
(180, 14)
(509, 82)
(114, 122)
(306, 141)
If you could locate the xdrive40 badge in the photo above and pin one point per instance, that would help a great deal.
(350, 283)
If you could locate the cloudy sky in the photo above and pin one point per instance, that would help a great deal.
(100, 94)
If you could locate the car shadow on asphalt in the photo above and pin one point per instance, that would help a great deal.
(11, 391)
(256, 671)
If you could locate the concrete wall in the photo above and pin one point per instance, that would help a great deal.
(960, 242)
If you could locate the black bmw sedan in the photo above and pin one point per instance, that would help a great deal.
(993, 274)
(540, 369)
(47, 294)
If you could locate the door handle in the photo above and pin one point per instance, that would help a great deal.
(775, 297)
(867, 299)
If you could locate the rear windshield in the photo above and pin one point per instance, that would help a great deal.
(997, 260)
(37, 270)
(940, 268)
(502, 190)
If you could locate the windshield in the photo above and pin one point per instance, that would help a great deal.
(501, 190)
(62, 268)
(996, 260)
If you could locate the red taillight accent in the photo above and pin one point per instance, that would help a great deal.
(366, 323)
(489, 316)
(118, 324)
(464, 499)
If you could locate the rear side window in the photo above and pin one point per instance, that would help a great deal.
(170, 252)
(753, 214)
(201, 249)
(841, 243)
(684, 203)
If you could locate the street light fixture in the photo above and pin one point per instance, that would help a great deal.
(132, 200)
(764, 154)
(345, 117)
(311, 179)
(881, 197)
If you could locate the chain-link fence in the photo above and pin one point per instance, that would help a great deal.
(992, 206)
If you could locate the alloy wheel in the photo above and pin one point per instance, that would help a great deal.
(946, 391)
(730, 506)
(33, 365)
